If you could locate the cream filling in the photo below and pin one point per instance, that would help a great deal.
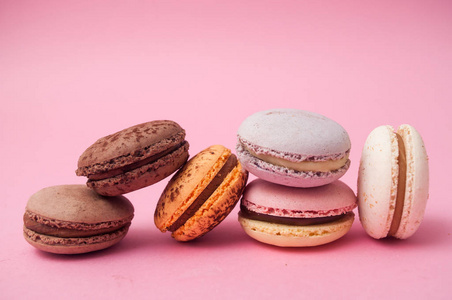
(400, 200)
(302, 166)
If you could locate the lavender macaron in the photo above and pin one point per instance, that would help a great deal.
(293, 147)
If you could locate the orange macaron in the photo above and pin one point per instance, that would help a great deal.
(201, 194)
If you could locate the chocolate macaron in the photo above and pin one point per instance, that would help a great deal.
(72, 219)
(201, 194)
(134, 158)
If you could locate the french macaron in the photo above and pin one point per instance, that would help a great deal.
(393, 182)
(134, 158)
(294, 217)
(293, 147)
(73, 219)
(201, 194)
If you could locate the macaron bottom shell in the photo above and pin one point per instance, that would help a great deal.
(297, 236)
(59, 245)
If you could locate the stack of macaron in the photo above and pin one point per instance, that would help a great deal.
(298, 157)
(297, 199)
(70, 219)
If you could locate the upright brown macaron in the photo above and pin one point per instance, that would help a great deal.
(201, 194)
(72, 219)
(134, 158)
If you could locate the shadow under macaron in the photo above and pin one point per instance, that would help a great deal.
(228, 234)
(351, 239)
(432, 232)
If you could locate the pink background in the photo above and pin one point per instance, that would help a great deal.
(76, 71)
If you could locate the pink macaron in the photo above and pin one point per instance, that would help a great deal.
(293, 217)
(393, 182)
(293, 147)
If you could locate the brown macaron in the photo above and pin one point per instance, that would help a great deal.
(134, 158)
(72, 219)
(201, 194)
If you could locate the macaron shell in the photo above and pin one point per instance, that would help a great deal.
(141, 177)
(416, 193)
(284, 176)
(78, 204)
(187, 184)
(216, 208)
(73, 245)
(276, 130)
(377, 181)
(264, 197)
(130, 140)
(296, 236)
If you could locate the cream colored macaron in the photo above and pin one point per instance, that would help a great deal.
(393, 182)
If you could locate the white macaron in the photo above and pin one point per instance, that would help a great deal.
(393, 182)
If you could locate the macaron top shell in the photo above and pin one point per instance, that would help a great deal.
(296, 135)
(378, 181)
(130, 146)
(272, 199)
(78, 204)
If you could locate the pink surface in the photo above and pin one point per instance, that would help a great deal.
(73, 72)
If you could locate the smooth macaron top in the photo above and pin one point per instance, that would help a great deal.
(393, 182)
(268, 198)
(130, 146)
(78, 204)
(296, 135)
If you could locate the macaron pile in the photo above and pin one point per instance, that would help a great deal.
(297, 199)
(73, 219)
(298, 157)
